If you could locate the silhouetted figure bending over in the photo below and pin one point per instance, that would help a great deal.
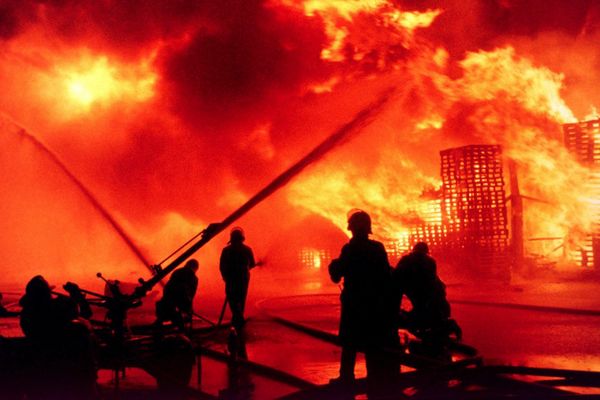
(416, 277)
(63, 364)
(177, 302)
(235, 264)
(366, 322)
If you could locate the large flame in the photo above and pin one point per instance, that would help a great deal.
(499, 99)
(340, 18)
(186, 108)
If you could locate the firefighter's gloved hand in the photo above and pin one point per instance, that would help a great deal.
(212, 229)
(73, 290)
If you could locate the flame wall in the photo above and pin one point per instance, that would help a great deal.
(174, 112)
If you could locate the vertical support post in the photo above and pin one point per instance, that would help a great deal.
(516, 219)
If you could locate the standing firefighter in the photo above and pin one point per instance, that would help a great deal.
(178, 296)
(366, 322)
(235, 264)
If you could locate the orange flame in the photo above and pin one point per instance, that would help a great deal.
(96, 80)
(490, 75)
(506, 100)
(339, 15)
(67, 83)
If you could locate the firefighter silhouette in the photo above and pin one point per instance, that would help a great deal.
(416, 277)
(366, 322)
(237, 259)
(62, 361)
(176, 304)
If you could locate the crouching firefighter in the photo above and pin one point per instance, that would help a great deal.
(416, 277)
(176, 304)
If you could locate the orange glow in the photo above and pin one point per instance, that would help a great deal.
(433, 122)
(391, 193)
(314, 258)
(339, 15)
(593, 114)
(57, 85)
(490, 75)
(206, 110)
(412, 20)
(326, 87)
(512, 102)
(346, 9)
(96, 80)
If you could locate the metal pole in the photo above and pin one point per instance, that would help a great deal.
(360, 121)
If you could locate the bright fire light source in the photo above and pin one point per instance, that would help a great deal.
(80, 92)
(314, 258)
(98, 81)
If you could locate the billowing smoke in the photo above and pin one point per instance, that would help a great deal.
(175, 112)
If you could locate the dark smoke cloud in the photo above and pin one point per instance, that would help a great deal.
(227, 80)
(8, 23)
(241, 70)
(14, 18)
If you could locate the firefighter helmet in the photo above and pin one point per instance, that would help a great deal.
(237, 235)
(421, 248)
(359, 221)
(192, 264)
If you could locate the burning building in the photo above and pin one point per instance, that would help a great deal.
(582, 139)
(465, 222)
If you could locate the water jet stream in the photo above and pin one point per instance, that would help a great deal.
(82, 188)
(361, 120)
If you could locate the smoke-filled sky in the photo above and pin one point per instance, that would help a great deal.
(173, 112)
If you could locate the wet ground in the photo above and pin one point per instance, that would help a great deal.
(519, 325)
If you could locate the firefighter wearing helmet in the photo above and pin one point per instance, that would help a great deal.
(237, 259)
(366, 322)
(416, 277)
(359, 222)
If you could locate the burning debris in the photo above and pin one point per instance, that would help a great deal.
(583, 141)
(474, 210)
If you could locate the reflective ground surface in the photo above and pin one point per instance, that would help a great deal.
(514, 331)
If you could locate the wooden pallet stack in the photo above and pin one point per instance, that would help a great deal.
(473, 210)
(582, 139)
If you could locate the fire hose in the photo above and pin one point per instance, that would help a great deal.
(360, 121)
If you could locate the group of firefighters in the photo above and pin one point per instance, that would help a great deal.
(370, 314)
(371, 305)
(237, 259)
